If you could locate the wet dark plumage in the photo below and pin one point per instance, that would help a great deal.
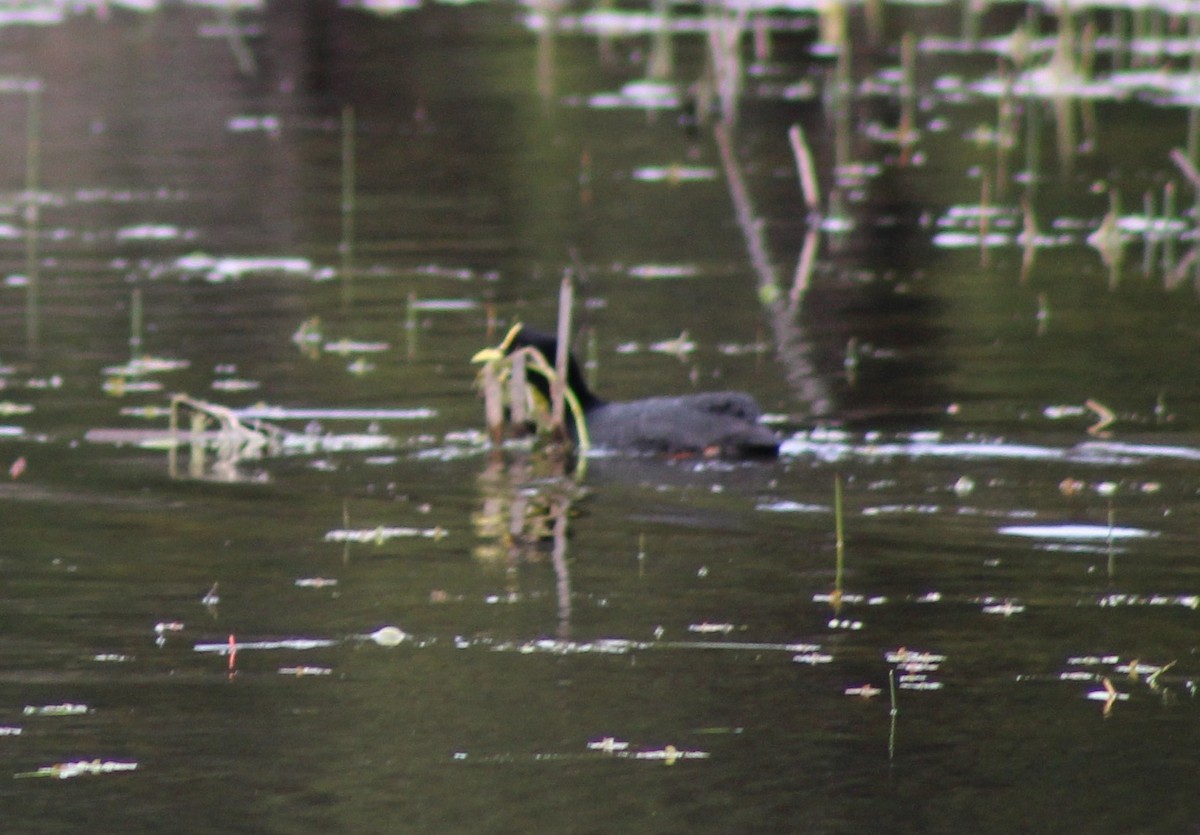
(724, 423)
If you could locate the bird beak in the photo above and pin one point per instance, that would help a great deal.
(500, 351)
(488, 355)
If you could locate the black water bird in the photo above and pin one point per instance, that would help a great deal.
(724, 423)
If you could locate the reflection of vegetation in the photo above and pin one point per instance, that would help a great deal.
(525, 503)
(234, 441)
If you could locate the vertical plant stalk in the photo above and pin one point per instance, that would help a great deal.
(33, 161)
(1029, 234)
(840, 546)
(661, 53)
(517, 392)
(894, 713)
(1167, 238)
(135, 324)
(1193, 133)
(346, 246)
(985, 188)
(1112, 554)
(805, 169)
(493, 406)
(410, 325)
(805, 266)
(1149, 237)
(242, 55)
(558, 385)
(906, 133)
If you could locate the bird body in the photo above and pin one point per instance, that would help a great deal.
(724, 423)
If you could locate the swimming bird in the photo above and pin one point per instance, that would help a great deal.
(724, 423)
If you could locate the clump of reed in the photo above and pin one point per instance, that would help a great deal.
(511, 403)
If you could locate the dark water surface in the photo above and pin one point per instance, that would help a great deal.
(661, 647)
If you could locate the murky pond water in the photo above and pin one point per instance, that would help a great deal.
(378, 624)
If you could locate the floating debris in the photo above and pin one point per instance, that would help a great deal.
(1107, 695)
(232, 384)
(152, 232)
(453, 273)
(147, 412)
(120, 386)
(383, 533)
(218, 270)
(388, 636)
(1006, 608)
(710, 628)
(249, 124)
(211, 597)
(443, 305)
(845, 623)
(1188, 601)
(64, 709)
(812, 658)
(914, 668)
(669, 755)
(65, 771)
(674, 173)
(263, 411)
(1093, 660)
(146, 365)
(608, 745)
(161, 630)
(305, 671)
(844, 598)
(650, 95)
(679, 347)
(228, 647)
(652, 272)
(788, 506)
(360, 366)
(345, 347)
(315, 582)
(1076, 532)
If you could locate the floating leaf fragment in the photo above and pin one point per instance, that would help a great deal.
(389, 636)
(305, 671)
(345, 347)
(812, 658)
(674, 173)
(709, 628)
(651, 272)
(383, 533)
(231, 384)
(64, 709)
(315, 582)
(65, 771)
(608, 745)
